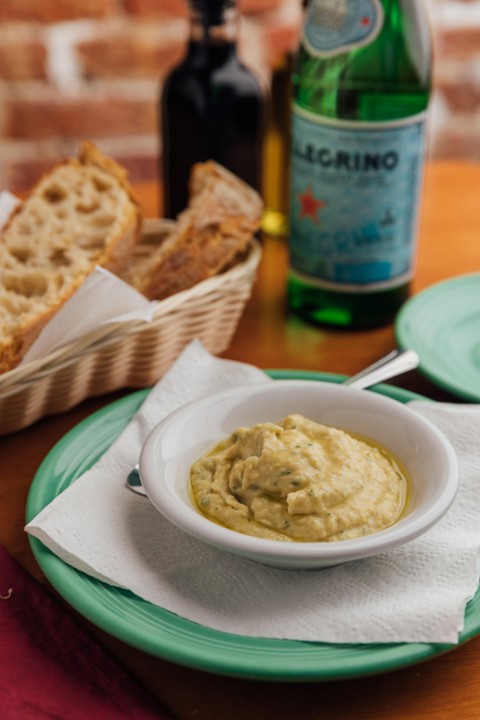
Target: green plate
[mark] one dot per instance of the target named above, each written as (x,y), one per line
(442,324)
(166,635)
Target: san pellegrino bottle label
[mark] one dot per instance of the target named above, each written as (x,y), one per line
(335,26)
(354,202)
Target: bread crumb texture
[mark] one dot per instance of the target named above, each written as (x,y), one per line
(78,216)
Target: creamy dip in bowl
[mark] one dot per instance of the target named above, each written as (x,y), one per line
(299,473)
(297,480)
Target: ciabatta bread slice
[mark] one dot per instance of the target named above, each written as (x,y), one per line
(216,228)
(81,214)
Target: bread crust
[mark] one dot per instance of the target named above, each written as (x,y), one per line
(44,258)
(216,228)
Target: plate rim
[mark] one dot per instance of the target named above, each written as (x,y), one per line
(232,655)
(403,337)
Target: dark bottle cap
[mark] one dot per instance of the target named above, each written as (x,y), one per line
(212,10)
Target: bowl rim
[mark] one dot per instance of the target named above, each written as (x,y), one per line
(192,521)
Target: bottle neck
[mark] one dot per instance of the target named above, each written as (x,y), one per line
(213,23)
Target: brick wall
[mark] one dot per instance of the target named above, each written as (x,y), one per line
(455,116)
(73,69)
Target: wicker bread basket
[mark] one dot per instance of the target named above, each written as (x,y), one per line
(134,354)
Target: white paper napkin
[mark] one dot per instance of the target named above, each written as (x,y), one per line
(100,303)
(415,593)
(8,203)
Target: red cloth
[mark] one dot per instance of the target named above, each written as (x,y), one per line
(50,667)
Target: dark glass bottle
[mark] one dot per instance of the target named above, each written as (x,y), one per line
(212,106)
(362,84)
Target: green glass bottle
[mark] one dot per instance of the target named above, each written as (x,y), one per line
(361,87)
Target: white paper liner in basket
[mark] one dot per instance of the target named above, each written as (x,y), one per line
(132,354)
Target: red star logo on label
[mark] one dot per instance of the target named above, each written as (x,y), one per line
(309,205)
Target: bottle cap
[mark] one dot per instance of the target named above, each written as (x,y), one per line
(212,10)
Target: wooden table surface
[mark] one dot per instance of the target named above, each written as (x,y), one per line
(444,688)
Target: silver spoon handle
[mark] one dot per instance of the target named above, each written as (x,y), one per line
(395,363)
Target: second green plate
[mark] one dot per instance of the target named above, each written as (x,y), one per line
(442,324)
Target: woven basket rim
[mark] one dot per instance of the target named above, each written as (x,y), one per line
(25,374)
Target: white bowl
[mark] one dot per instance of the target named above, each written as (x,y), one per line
(182,437)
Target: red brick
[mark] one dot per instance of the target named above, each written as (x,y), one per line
(179,8)
(140,166)
(49,11)
(254,7)
(20,175)
(455,141)
(22,56)
(461,42)
(22,168)
(157,8)
(109,116)
(461,97)
(129,54)
(279,40)
(277,32)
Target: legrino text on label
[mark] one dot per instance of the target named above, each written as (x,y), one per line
(341,159)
